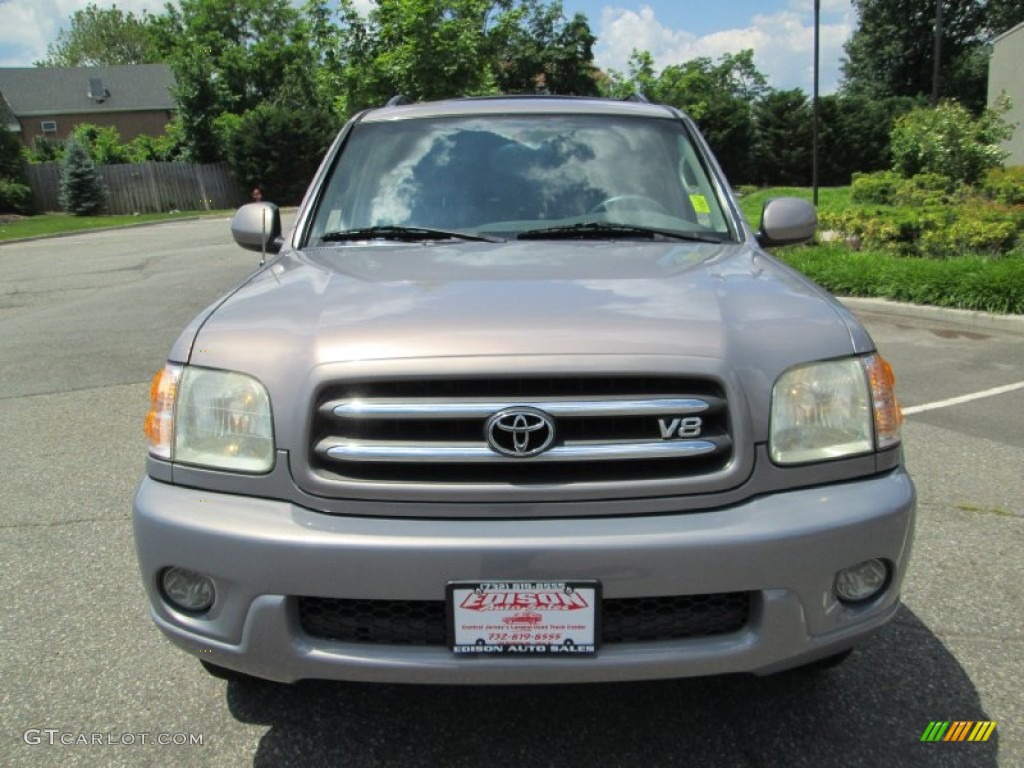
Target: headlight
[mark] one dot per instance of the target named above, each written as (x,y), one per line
(211,418)
(833,409)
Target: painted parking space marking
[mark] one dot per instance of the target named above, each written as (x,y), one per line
(962,399)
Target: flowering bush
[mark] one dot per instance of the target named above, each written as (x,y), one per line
(950,142)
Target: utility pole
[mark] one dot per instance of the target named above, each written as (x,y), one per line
(814,128)
(938,53)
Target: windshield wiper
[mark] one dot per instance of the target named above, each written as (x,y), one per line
(597,230)
(408,234)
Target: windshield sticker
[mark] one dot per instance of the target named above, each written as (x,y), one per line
(700,204)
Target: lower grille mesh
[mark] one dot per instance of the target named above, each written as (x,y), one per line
(623,620)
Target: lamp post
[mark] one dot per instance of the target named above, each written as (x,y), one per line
(814,127)
(938,53)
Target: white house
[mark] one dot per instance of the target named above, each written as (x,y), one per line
(1004,76)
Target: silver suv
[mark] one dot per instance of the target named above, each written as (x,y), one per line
(520,398)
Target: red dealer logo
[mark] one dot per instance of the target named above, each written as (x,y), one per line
(524,619)
(540,601)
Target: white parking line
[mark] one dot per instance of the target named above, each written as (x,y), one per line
(962,399)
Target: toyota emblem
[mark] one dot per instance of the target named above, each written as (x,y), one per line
(520,432)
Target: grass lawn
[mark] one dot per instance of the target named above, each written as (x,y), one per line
(56,223)
(830,199)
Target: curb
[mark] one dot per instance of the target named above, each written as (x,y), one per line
(1007,323)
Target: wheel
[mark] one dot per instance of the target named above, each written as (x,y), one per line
(650,203)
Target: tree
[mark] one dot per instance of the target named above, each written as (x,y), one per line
(855,132)
(429,49)
(228,57)
(544,51)
(102,37)
(783,120)
(891,52)
(278,149)
(81,190)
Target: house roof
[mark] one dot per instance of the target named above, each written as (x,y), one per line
(1011,31)
(39,91)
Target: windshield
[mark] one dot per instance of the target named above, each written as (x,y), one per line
(502,175)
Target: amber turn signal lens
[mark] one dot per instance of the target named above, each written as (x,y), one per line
(159,426)
(888,415)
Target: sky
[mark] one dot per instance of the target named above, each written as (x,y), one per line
(781,32)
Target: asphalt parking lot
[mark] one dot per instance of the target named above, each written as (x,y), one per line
(86,320)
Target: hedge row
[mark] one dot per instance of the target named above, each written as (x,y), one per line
(970,282)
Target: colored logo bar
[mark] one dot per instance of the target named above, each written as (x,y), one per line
(958,730)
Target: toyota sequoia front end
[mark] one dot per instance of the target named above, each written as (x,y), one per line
(521,398)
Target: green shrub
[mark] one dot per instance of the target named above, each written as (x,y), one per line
(44,150)
(1004,185)
(950,142)
(877,188)
(15,193)
(927,189)
(978,229)
(15,197)
(102,143)
(890,229)
(889,188)
(164,148)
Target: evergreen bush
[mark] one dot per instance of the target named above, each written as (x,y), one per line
(81,189)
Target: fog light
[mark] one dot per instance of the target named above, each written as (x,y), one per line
(862,581)
(187,590)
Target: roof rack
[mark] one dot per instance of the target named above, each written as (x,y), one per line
(637,97)
(398,100)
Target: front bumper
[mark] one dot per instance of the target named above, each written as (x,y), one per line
(784,547)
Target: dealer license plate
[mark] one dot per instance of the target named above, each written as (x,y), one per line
(557,618)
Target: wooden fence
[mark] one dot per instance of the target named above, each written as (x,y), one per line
(147,187)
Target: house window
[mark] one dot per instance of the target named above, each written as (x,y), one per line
(49,126)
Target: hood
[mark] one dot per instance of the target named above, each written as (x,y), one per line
(387,302)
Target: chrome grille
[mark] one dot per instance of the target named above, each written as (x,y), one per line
(606,428)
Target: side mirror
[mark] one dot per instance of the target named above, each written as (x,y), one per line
(257,227)
(787,220)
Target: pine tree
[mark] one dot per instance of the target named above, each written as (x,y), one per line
(81,188)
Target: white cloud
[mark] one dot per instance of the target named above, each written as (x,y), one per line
(30,25)
(783,42)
